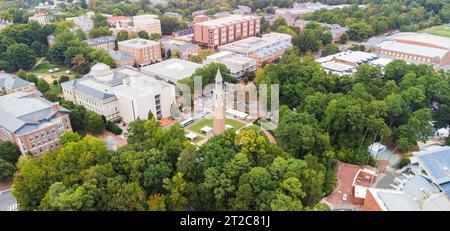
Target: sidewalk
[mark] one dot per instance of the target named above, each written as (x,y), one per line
(5,185)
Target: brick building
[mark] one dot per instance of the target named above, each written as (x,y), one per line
(31,122)
(144,52)
(10,83)
(221,31)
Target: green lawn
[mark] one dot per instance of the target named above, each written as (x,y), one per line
(442,30)
(57,89)
(44,68)
(196,127)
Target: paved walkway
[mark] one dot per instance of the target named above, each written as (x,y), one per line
(270,136)
(38,62)
(7,184)
(7,201)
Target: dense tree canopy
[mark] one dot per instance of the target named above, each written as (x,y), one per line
(21,43)
(160,170)
(69,50)
(350,112)
(378,17)
(9,154)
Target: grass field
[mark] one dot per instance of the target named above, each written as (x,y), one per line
(44,68)
(197,127)
(442,30)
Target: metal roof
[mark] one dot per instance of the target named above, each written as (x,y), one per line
(425,38)
(436,163)
(256,45)
(119,55)
(413,49)
(21,113)
(10,81)
(446,188)
(100,40)
(418,188)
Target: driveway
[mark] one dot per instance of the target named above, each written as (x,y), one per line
(7,201)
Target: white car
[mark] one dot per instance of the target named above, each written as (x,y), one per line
(344,196)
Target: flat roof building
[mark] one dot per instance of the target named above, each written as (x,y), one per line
(172,70)
(144,52)
(238,64)
(122,93)
(264,49)
(147,22)
(33,123)
(346,62)
(418,48)
(217,32)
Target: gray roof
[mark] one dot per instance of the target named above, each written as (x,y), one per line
(418,188)
(173,14)
(435,40)
(100,40)
(77,84)
(119,55)
(436,162)
(177,45)
(334,28)
(20,113)
(172,69)
(397,201)
(10,81)
(413,49)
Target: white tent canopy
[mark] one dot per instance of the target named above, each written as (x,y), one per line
(238,114)
(206,129)
(191,136)
(376,148)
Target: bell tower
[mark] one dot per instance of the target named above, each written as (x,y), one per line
(219,105)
